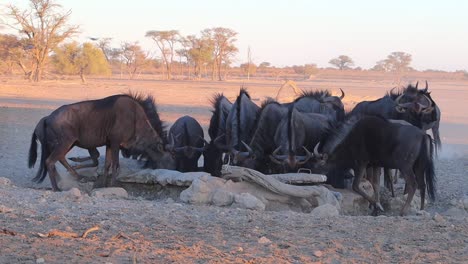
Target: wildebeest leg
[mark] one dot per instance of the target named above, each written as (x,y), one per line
(419,171)
(376,186)
(94,156)
(411,186)
(359,173)
(70,169)
(58,153)
(388,180)
(102,180)
(114,149)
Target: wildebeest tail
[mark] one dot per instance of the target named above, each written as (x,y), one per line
(32,157)
(42,172)
(427,152)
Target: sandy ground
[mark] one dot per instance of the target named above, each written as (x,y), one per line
(169,232)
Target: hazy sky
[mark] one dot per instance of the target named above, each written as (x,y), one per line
(294,32)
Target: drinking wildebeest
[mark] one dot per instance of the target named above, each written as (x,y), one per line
(240,123)
(186,143)
(115,121)
(321,102)
(213,152)
(261,145)
(374,140)
(296,133)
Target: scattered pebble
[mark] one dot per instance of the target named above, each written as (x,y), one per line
(318,253)
(264,240)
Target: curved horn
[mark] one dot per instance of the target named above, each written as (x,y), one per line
(278,159)
(306,158)
(416,85)
(397,100)
(219,145)
(316,153)
(342,94)
(247,147)
(427,87)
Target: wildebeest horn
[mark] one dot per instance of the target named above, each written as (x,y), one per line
(342,94)
(219,145)
(306,158)
(247,147)
(316,153)
(170,145)
(278,159)
(397,100)
(416,85)
(427,87)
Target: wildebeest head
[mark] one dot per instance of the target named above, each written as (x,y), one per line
(241,122)
(413,100)
(291,140)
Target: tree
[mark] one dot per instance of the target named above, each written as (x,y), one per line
(397,62)
(134,58)
(73,58)
(307,70)
(166,41)
(11,50)
(249,68)
(264,64)
(200,53)
(223,48)
(44,24)
(342,62)
(104,45)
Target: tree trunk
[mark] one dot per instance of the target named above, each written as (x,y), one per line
(83,79)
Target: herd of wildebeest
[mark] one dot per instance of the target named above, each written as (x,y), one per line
(313,132)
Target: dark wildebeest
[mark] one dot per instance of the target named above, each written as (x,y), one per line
(186,143)
(296,133)
(240,124)
(261,145)
(115,121)
(374,140)
(213,152)
(320,102)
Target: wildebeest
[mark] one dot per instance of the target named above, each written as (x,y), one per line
(115,121)
(240,123)
(296,133)
(38,135)
(262,144)
(374,140)
(186,143)
(213,152)
(410,104)
(320,102)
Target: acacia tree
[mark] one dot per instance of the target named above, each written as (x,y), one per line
(134,58)
(200,53)
(44,24)
(74,58)
(11,52)
(342,62)
(397,62)
(166,41)
(223,48)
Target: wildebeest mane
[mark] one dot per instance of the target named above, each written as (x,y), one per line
(149,106)
(394,93)
(214,125)
(316,94)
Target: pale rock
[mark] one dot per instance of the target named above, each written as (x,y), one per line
(5,181)
(222,198)
(200,192)
(40,260)
(73,194)
(263,240)
(438,218)
(465,202)
(318,253)
(248,201)
(329,197)
(326,210)
(112,192)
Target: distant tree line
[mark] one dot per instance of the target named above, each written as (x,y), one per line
(44,34)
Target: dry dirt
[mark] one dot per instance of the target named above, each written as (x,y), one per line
(140,231)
